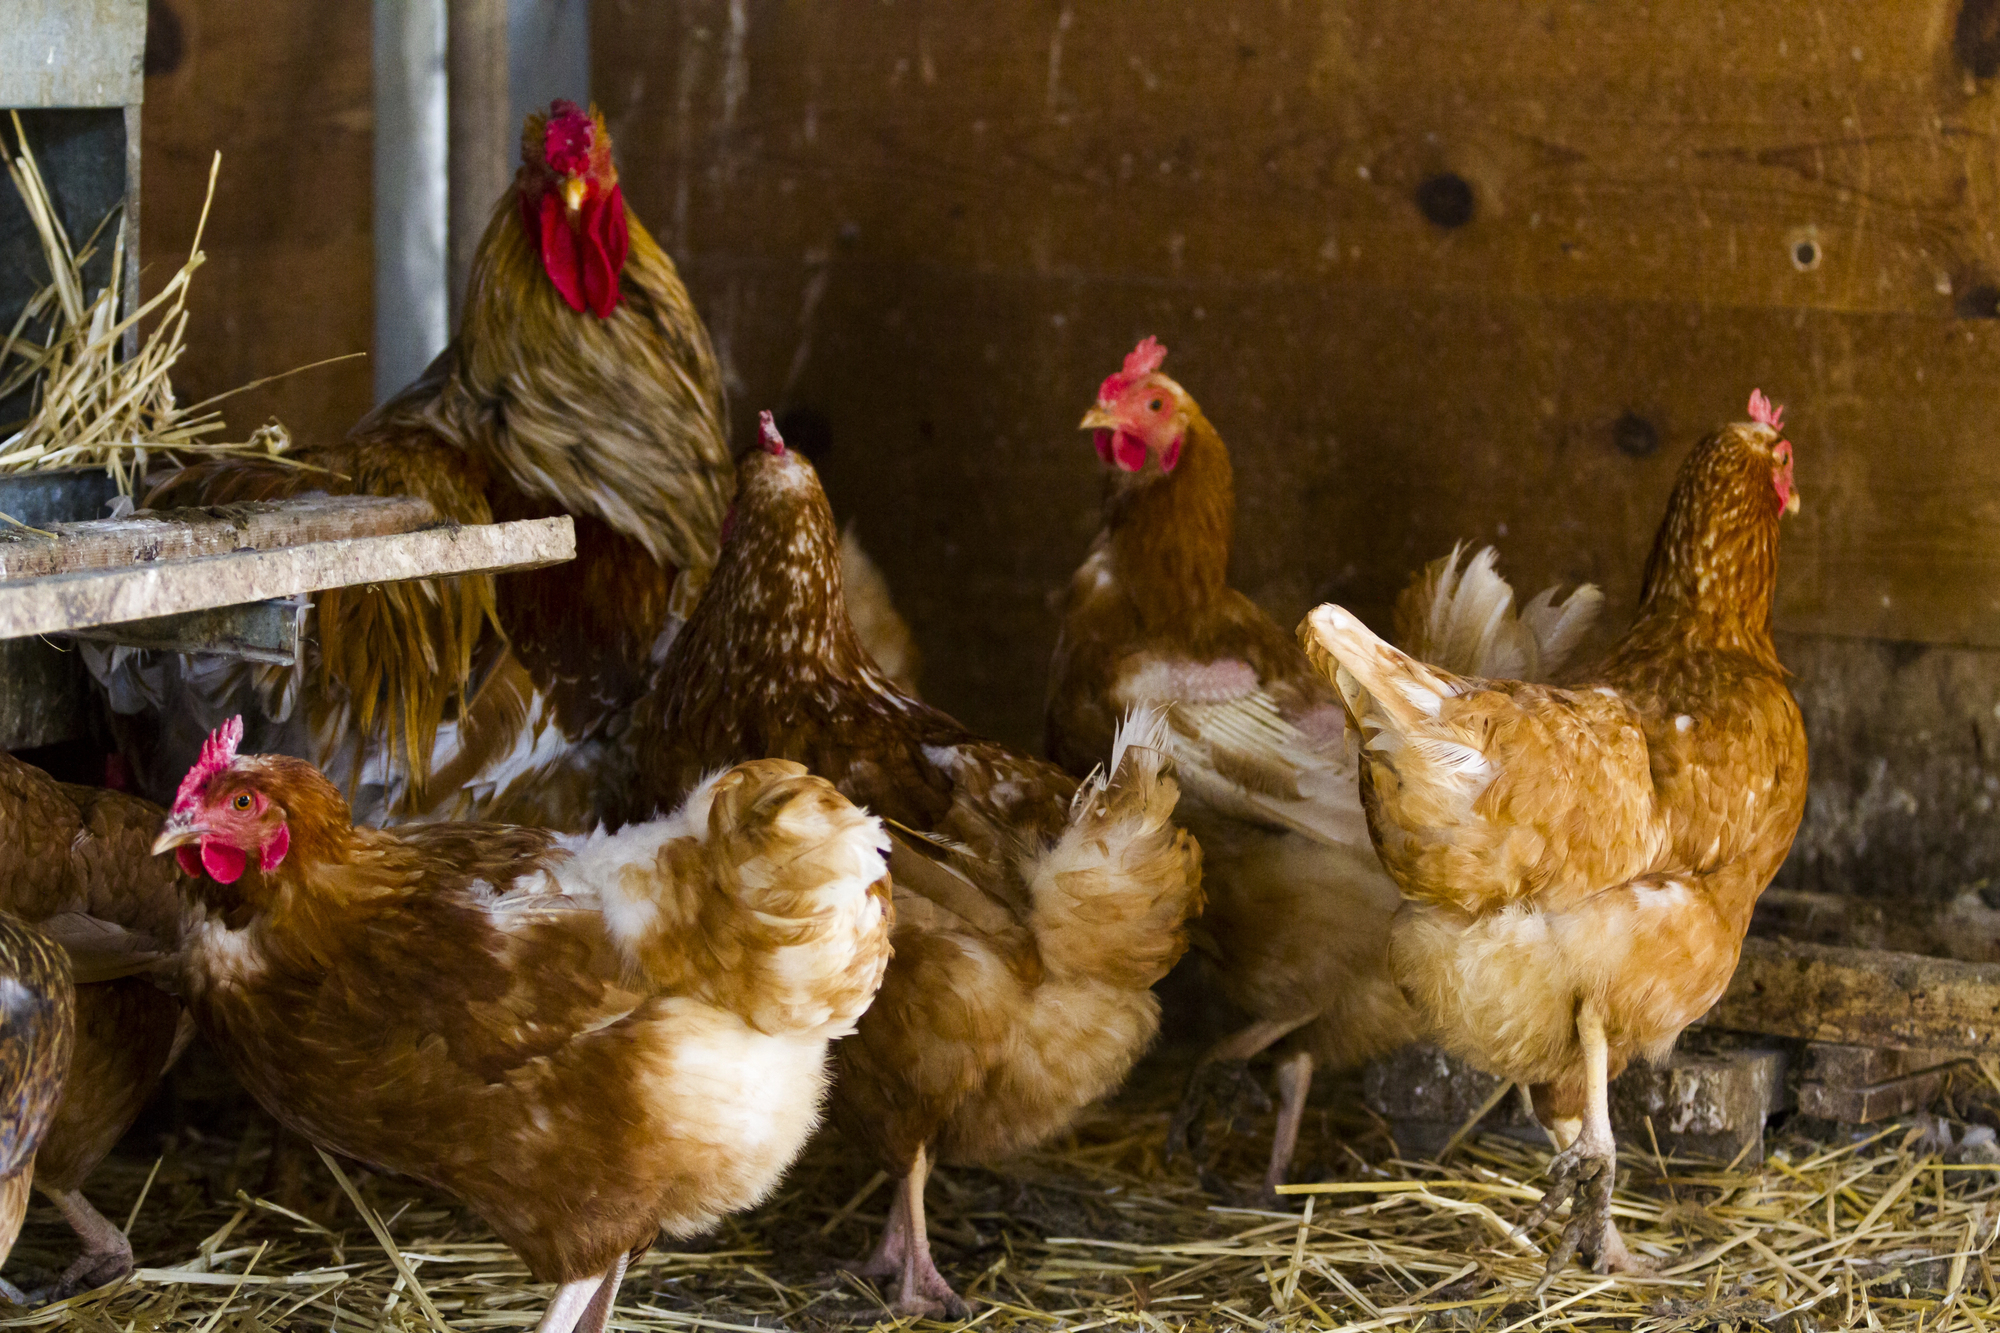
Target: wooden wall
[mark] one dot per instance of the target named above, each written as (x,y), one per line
(1437,271)
(283,89)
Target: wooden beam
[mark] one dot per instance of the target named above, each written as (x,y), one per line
(477,112)
(185,534)
(100,597)
(1862,997)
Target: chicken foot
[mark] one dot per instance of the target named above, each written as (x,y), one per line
(584,1305)
(1585,1171)
(1222,1079)
(107,1253)
(904,1253)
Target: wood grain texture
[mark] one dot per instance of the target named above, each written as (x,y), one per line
(282,89)
(1862,997)
(938,228)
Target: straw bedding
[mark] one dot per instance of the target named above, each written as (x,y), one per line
(1094,1232)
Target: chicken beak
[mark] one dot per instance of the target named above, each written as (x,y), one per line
(573,190)
(1792,502)
(177,832)
(1099,418)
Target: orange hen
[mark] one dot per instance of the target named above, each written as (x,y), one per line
(1299,905)
(1579,865)
(588,1039)
(1033,913)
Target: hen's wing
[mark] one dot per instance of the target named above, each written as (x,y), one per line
(1485,793)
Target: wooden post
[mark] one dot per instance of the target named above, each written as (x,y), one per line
(479,134)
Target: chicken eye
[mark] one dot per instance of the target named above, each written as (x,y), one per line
(242,801)
(1153,406)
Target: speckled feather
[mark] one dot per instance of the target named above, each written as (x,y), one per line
(1031,922)
(37,1023)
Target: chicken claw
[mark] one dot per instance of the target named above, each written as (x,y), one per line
(1584,1178)
(1226,1084)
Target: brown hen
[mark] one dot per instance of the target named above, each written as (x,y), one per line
(76,861)
(1298,903)
(37,1018)
(1579,865)
(1033,914)
(588,1039)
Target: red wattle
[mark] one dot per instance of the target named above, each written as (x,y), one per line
(559,252)
(1128,451)
(223,862)
(190,860)
(583,262)
(274,849)
(1102,439)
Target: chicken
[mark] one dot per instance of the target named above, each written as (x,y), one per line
(581,382)
(1033,913)
(588,1039)
(1299,905)
(37,1028)
(74,863)
(1579,865)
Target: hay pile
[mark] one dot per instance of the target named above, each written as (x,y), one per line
(92,406)
(1097,1233)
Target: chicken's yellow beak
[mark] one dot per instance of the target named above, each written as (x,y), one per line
(1099,418)
(177,831)
(1792,501)
(573,191)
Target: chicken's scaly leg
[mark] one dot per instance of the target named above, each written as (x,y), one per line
(1222,1076)
(1585,1171)
(1295,1074)
(571,1302)
(923,1290)
(107,1253)
(887,1260)
(598,1312)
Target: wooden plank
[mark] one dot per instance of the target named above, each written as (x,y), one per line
(182,534)
(72,53)
(290,272)
(255,631)
(1862,997)
(77,601)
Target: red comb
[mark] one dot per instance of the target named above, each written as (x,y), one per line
(1766,413)
(1140,362)
(767,434)
(217,753)
(567,140)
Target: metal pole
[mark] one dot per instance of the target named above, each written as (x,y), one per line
(479,134)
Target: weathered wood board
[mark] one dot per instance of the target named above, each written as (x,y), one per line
(149,535)
(282,88)
(1438,271)
(60,602)
(1862,997)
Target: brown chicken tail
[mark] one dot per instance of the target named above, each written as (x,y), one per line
(770,899)
(1113,896)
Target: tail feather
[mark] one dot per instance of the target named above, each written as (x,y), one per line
(1113,896)
(765,894)
(1463,620)
(1388,694)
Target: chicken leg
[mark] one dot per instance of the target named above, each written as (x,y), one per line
(1586,1169)
(1222,1078)
(107,1253)
(905,1253)
(584,1305)
(1295,1074)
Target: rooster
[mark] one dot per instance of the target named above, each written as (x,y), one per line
(588,1039)
(581,382)
(74,863)
(37,1022)
(1579,865)
(1299,905)
(1034,913)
